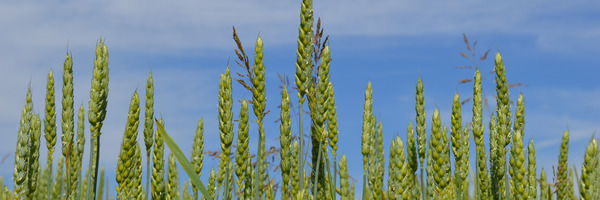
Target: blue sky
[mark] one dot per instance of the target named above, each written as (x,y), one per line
(550,46)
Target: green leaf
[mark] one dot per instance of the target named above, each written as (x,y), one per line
(185,164)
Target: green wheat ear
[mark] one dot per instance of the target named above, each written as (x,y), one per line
(344,187)
(97,110)
(34,154)
(125,164)
(22,151)
(285,141)
(149,127)
(563,167)
(225,123)
(77,150)
(173,178)
(158,170)
(198,153)
(543,185)
(242,154)
(58,183)
(367,134)
(589,172)
(531,171)
(483,175)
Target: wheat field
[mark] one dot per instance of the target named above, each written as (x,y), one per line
(432,161)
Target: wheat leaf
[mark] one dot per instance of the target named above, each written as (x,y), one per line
(185,164)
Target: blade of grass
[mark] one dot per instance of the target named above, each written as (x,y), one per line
(185,164)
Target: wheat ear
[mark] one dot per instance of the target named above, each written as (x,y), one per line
(22,151)
(285,141)
(563,167)
(158,167)
(97,110)
(225,124)
(242,152)
(198,153)
(589,170)
(149,126)
(126,155)
(173,179)
(531,171)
